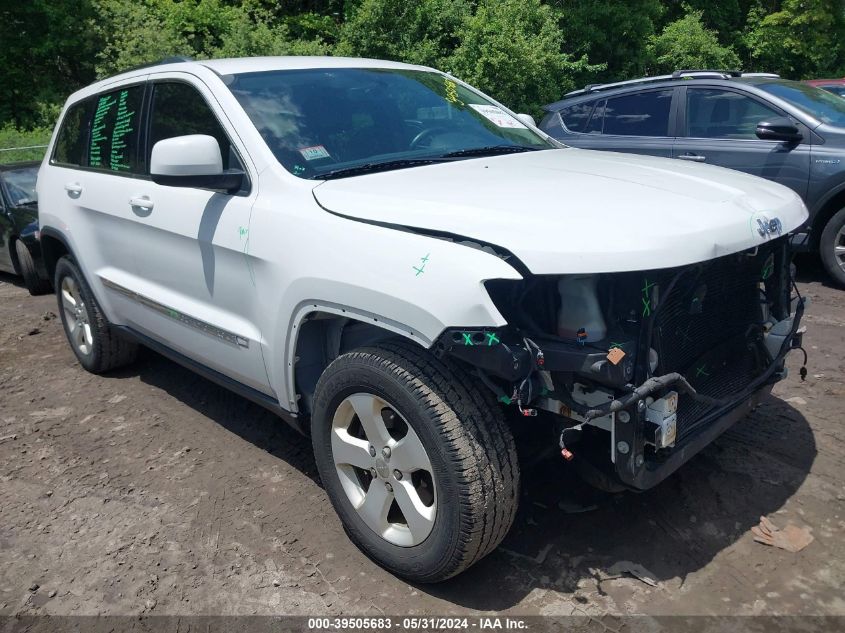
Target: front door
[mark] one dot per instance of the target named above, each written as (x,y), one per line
(193,287)
(719,129)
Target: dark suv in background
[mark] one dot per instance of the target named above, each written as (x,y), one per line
(785,131)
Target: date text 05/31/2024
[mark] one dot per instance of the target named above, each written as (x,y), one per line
(415,623)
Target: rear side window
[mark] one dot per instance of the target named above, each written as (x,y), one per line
(639,114)
(576,117)
(179,110)
(72,141)
(715,113)
(115,132)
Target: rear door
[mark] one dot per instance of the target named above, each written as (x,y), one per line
(192,286)
(635,122)
(718,127)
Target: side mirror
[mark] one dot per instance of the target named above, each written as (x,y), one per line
(192,161)
(527,119)
(778,129)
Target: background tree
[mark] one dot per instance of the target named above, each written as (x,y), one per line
(525,53)
(802,39)
(511,49)
(687,44)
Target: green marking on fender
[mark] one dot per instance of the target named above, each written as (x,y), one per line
(467,338)
(701,371)
(504,399)
(492,339)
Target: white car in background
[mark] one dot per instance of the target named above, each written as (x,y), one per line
(412,274)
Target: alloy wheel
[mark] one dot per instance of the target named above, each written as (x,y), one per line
(839,248)
(77,320)
(384,469)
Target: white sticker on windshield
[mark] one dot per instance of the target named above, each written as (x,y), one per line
(497,116)
(315,152)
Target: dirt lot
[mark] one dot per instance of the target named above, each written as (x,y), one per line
(154,491)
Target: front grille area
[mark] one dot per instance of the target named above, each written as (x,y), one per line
(708,329)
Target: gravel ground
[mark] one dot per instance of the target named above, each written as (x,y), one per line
(152,491)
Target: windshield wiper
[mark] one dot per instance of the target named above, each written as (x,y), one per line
(490,150)
(375,167)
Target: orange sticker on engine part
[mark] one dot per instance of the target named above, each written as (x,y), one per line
(615,354)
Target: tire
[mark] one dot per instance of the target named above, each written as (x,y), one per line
(473,464)
(97,345)
(833,237)
(33,281)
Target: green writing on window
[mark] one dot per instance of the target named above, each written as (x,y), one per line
(98,136)
(122,127)
(113,138)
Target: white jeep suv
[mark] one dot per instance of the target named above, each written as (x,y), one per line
(412,274)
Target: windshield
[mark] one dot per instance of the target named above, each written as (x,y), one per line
(20,185)
(820,104)
(336,122)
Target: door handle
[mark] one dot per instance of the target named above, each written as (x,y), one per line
(696,158)
(142,202)
(73,188)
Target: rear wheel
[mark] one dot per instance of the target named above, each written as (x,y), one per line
(832,247)
(97,345)
(418,463)
(34,282)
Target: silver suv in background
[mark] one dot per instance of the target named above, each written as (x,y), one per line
(785,131)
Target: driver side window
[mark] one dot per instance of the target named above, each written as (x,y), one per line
(179,110)
(726,114)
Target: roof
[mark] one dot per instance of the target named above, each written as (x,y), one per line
(237,65)
(679,77)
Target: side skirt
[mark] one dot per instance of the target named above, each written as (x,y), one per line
(253,395)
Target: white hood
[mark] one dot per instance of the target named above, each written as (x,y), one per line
(576,211)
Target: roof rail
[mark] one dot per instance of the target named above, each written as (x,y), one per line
(175,59)
(707,73)
(678,74)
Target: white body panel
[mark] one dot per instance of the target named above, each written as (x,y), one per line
(577,211)
(255,266)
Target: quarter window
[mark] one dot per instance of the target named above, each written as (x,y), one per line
(115,132)
(639,114)
(72,141)
(179,110)
(576,117)
(724,114)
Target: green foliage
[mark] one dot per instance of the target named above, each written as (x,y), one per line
(612,32)
(803,39)
(525,53)
(686,43)
(422,32)
(511,49)
(11,137)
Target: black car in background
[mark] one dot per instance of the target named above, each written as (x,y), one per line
(20,250)
(785,131)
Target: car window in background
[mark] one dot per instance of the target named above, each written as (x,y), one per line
(180,110)
(576,117)
(837,89)
(321,120)
(818,103)
(72,142)
(115,132)
(713,113)
(639,114)
(20,185)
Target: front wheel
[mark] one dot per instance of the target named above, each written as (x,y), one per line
(417,461)
(832,247)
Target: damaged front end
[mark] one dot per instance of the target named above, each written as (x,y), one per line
(637,371)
